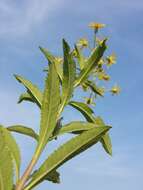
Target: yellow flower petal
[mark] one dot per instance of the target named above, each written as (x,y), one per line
(115,90)
(111,59)
(103,76)
(83,42)
(96,26)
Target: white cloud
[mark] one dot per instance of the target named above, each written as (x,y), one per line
(19,19)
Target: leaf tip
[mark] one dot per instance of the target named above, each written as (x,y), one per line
(17,77)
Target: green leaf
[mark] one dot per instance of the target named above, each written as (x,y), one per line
(105,140)
(80,57)
(93,87)
(13,148)
(53,176)
(6,165)
(26,97)
(91,63)
(50,106)
(51,59)
(106,143)
(32,89)
(84,109)
(88,114)
(66,152)
(59,70)
(75,127)
(68,76)
(48,55)
(23,130)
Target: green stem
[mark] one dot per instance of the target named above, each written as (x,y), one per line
(24,178)
(95,32)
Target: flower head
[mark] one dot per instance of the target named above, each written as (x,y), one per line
(103,76)
(83,42)
(111,59)
(100,62)
(101,90)
(99,41)
(96,26)
(115,90)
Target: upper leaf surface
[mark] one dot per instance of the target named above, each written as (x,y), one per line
(51,59)
(75,127)
(23,130)
(6,166)
(88,114)
(84,109)
(32,89)
(50,106)
(68,75)
(80,57)
(105,140)
(67,151)
(13,148)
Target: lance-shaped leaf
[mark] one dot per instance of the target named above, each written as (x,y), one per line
(32,89)
(67,151)
(12,146)
(68,76)
(51,59)
(105,140)
(24,130)
(93,87)
(50,106)
(53,176)
(80,57)
(91,63)
(75,127)
(6,166)
(87,112)
(28,97)
(59,70)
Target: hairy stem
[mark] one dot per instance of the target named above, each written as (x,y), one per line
(24,178)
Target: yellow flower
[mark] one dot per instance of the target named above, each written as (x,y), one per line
(115,90)
(83,42)
(99,41)
(96,26)
(103,76)
(111,59)
(102,90)
(101,62)
(106,77)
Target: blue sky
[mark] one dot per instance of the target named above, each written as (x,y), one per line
(24,25)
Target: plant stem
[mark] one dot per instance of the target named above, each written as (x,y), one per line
(95,32)
(24,178)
